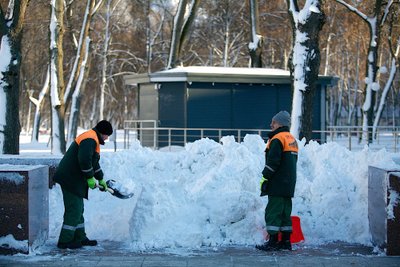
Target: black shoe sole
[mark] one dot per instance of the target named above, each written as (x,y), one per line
(89,243)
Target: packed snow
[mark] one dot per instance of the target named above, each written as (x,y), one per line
(206,194)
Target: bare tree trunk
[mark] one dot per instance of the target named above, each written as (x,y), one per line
(77,64)
(176,34)
(340,91)
(333,109)
(39,105)
(353,106)
(181,30)
(151,38)
(11,25)
(388,85)
(304,64)
(76,97)
(93,110)
(226,43)
(187,25)
(149,52)
(78,73)
(255,46)
(76,69)
(104,56)
(56,77)
(327,54)
(394,123)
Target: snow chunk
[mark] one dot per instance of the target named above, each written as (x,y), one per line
(314,9)
(5,55)
(383,69)
(253,45)
(300,85)
(375,86)
(394,199)
(371,57)
(13,177)
(207,194)
(9,241)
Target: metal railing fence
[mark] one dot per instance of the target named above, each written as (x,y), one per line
(349,136)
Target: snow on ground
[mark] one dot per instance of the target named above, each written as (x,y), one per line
(207,194)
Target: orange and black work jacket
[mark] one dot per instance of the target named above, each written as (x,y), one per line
(280,163)
(80,162)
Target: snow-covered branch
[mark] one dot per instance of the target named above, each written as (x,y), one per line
(388,85)
(38,104)
(10,10)
(79,56)
(386,12)
(96,7)
(353,9)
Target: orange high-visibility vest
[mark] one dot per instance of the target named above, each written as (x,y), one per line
(287,140)
(89,134)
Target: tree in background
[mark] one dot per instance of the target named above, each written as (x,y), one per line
(221,36)
(256,44)
(394,48)
(141,34)
(39,102)
(375,23)
(115,30)
(181,29)
(57,88)
(304,63)
(34,68)
(107,40)
(78,75)
(179,20)
(11,25)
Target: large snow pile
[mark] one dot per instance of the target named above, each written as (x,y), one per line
(207,194)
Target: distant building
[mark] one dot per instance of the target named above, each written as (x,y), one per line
(218,97)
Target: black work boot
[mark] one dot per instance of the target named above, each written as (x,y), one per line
(88,242)
(270,245)
(285,243)
(70,245)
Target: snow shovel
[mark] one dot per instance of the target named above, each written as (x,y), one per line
(115,189)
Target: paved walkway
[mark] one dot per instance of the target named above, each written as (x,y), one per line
(115,254)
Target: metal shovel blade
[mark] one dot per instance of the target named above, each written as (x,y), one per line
(113,188)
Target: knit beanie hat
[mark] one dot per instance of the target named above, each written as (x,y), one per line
(104,127)
(282,117)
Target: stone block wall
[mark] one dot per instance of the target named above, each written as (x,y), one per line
(384,208)
(24,207)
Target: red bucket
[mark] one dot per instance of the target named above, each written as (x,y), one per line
(297,234)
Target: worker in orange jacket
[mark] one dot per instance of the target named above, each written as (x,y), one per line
(78,171)
(278,182)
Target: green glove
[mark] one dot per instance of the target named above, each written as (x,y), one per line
(103,184)
(91,183)
(263,186)
(262,181)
